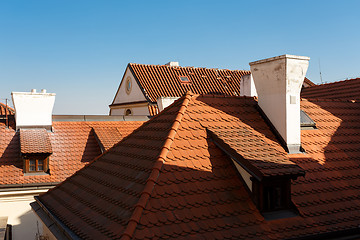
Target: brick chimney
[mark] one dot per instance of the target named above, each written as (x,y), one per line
(32,109)
(278,82)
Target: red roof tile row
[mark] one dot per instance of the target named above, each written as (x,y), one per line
(169,180)
(6,110)
(73,145)
(347,89)
(164,81)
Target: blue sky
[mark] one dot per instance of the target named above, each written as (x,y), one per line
(80,49)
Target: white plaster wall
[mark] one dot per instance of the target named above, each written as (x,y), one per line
(16,206)
(136,111)
(247,86)
(33,109)
(135,94)
(245,175)
(164,102)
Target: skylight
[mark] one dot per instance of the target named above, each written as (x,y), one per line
(305,121)
(184,79)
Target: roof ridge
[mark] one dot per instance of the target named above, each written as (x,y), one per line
(155,172)
(191,67)
(319,99)
(330,83)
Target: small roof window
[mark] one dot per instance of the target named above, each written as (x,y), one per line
(305,121)
(184,79)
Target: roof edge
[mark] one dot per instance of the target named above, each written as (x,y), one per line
(150,183)
(60,230)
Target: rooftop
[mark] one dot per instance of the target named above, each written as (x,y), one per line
(171,179)
(347,89)
(165,81)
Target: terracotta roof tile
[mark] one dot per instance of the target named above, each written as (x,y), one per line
(153,109)
(73,145)
(107,136)
(164,81)
(169,180)
(35,141)
(6,110)
(347,89)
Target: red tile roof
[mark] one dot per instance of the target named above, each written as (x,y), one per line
(107,136)
(153,109)
(164,81)
(73,146)
(6,110)
(169,180)
(347,89)
(35,141)
(308,83)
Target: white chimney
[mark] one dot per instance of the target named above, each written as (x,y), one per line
(278,82)
(247,86)
(172,64)
(32,109)
(164,102)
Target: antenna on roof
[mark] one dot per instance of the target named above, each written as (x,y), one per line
(6,114)
(320,72)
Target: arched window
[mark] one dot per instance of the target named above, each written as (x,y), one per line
(128,112)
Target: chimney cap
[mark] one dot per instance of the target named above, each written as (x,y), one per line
(172,64)
(280,57)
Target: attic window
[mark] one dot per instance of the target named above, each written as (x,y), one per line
(306,122)
(184,79)
(36,163)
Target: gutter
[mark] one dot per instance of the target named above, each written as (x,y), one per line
(57,228)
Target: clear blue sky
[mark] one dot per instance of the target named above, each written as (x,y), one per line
(79,49)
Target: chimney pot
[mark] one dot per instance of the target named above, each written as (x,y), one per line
(172,64)
(33,90)
(43,90)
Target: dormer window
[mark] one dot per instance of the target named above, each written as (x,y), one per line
(266,172)
(36,163)
(184,79)
(35,150)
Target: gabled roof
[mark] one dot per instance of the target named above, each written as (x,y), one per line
(164,81)
(72,144)
(169,179)
(347,89)
(6,110)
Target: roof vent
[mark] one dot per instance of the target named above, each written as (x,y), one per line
(172,64)
(278,82)
(32,109)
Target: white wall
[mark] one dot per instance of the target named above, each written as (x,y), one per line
(136,110)
(135,94)
(33,109)
(164,102)
(16,206)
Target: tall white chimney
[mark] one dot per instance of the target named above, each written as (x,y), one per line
(278,82)
(32,109)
